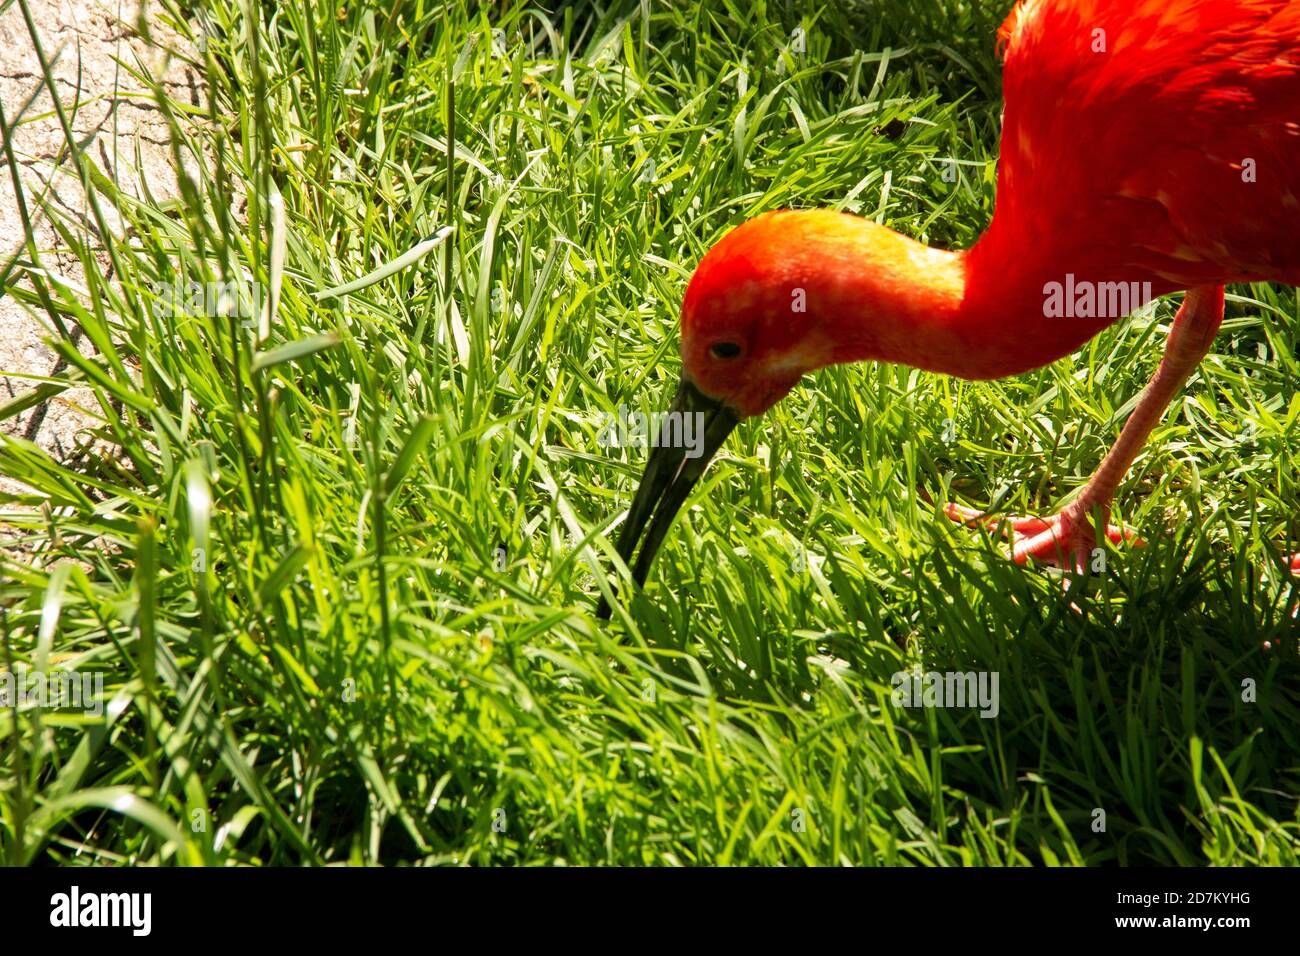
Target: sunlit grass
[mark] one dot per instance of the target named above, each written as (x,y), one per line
(341,582)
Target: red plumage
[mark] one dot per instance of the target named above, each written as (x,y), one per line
(1155,139)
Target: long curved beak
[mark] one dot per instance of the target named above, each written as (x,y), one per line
(691,433)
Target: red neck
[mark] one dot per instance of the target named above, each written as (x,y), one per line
(987,312)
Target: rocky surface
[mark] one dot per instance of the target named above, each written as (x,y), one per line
(94,46)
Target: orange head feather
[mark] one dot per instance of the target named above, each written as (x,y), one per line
(790,292)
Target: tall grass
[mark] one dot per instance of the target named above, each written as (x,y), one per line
(339,574)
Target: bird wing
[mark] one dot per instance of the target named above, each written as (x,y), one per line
(1156,136)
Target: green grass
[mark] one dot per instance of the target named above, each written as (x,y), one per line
(289,576)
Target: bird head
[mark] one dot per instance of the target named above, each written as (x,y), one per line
(777,297)
(747,333)
(747,338)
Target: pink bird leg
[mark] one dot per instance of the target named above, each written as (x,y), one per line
(1067,539)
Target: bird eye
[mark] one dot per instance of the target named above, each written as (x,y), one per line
(724,350)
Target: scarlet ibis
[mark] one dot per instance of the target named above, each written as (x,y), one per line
(1147,145)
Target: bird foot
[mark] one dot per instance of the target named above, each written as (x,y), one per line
(1065,540)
